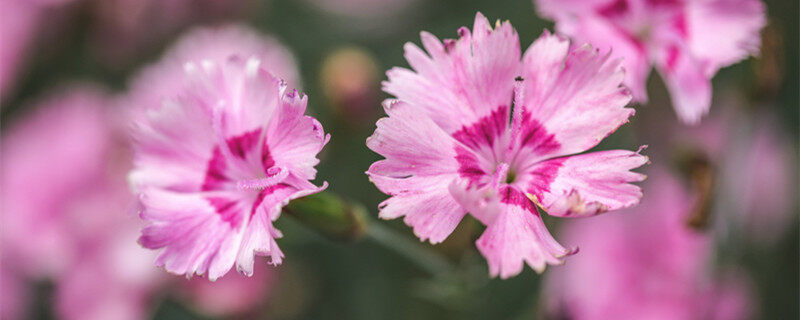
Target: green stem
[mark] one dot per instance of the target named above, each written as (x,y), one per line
(414,251)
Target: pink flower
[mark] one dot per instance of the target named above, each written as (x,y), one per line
(164,78)
(686,40)
(454,143)
(72,229)
(644,264)
(217,162)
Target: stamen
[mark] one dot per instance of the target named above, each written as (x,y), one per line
(274,176)
(516,116)
(500,174)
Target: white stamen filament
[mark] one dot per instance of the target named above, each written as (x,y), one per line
(274,176)
(500,174)
(516,117)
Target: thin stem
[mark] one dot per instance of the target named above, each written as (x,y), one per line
(431,262)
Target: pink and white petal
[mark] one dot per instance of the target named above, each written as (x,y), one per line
(293,139)
(259,236)
(430,210)
(191,230)
(412,144)
(585,102)
(561,10)
(259,239)
(173,147)
(462,80)
(239,89)
(586,184)
(606,37)
(689,86)
(220,43)
(739,20)
(518,236)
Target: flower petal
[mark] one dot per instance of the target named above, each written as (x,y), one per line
(587,184)
(462,80)
(431,211)
(739,20)
(583,101)
(689,88)
(517,236)
(294,139)
(194,235)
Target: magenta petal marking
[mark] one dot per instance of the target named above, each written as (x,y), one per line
(510,195)
(468,165)
(266,158)
(215,173)
(485,131)
(242,144)
(542,176)
(534,136)
(267,191)
(227,210)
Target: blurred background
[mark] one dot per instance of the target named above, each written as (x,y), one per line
(721,196)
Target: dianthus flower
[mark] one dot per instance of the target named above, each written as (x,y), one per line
(217,162)
(466,134)
(688,41)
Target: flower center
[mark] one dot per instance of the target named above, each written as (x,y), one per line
(503,175)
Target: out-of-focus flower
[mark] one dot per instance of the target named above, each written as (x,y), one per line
(349,79)
(163,79)
(754,169)
(681,38)
(50,159)
(231,295)
(762,179)
(64,209)
(217,162)
(456,142)
(646,263)
(124,29)
(113,277)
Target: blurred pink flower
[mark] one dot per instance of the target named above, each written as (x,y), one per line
(64,208)
(454,144)
(756,170)
(763,179)
(49,159)
(231,295)
(645,263)
(682,38)
(113,277)
(161,80)
(217,162)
